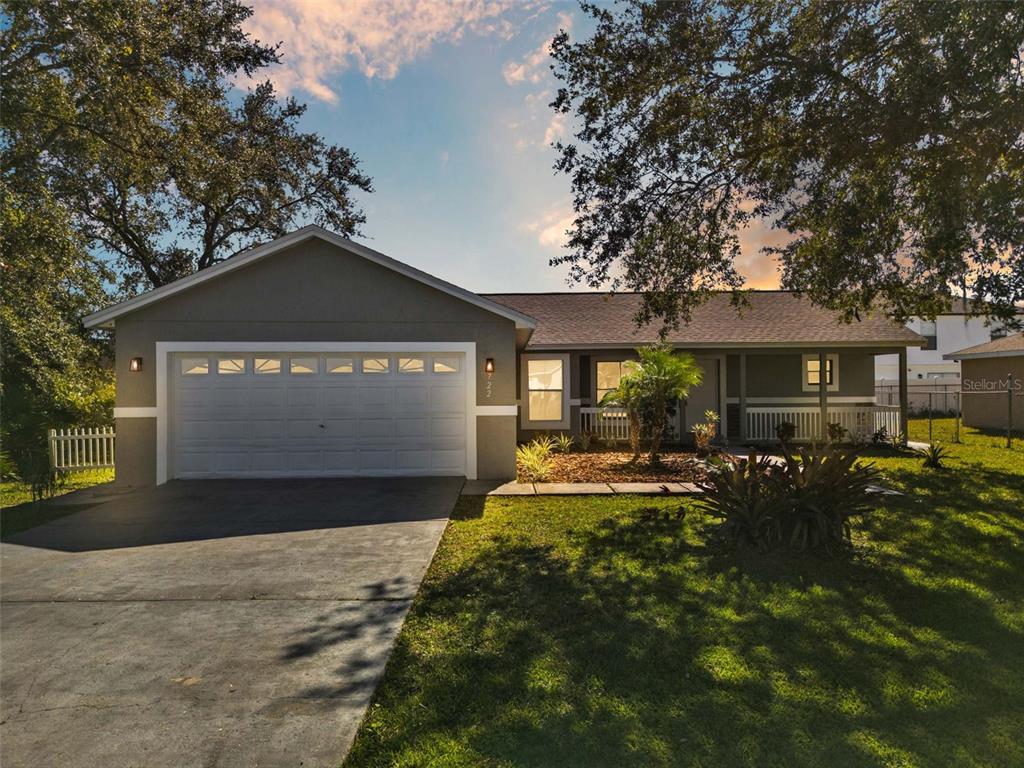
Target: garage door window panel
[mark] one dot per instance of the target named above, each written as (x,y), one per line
(376,365)
(412,365)
(340,365)
(263,366)
(195,366)
(230,366)
(446,364)
(303,366)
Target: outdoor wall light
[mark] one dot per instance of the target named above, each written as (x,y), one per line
(135,365)
(489,365)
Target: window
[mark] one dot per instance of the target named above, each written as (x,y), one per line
(412,365)
(340,365)
(608,376)
(446,365)
(266,365)
(303,365)
(929,333)
(376,365)
(230,365)
(194,366)
(544,389)
(812,373)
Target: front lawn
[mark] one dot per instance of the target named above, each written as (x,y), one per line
(20,513)
(606,631)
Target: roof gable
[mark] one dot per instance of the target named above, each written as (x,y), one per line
(105,318)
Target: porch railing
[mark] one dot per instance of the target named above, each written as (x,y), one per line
(607,423)
(72,449)
(861,421)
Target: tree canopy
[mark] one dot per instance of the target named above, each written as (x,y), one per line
(886,138)
(124,109)
(129,158)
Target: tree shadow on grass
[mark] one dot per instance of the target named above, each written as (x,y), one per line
(634,642)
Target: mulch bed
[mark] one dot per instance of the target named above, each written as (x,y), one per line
(615,467)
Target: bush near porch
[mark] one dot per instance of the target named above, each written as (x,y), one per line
(608,631)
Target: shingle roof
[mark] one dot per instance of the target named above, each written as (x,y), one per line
(770,317)
(1008,346)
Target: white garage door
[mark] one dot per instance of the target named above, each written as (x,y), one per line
(318,414)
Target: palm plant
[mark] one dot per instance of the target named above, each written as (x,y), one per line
(647,391)
(933,455)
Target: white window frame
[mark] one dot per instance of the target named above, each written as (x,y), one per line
(524,378)
(833,359)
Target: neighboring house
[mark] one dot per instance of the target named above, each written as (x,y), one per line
(992,385)
(947,333)
(315,356)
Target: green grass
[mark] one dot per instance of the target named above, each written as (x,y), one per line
(606,631)
(21,513)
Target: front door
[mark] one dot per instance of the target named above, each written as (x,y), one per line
(702,398)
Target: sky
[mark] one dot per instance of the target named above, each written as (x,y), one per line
(446,103)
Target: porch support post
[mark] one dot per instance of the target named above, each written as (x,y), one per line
(904,398)
(743,397)
(823,392)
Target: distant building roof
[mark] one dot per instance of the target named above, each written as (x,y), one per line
(1008,346)
(770,318)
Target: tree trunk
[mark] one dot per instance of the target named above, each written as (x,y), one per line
(634,434)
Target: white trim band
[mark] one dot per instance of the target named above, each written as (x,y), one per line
(497,410)
(135,412)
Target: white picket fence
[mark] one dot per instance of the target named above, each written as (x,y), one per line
(605,422)
(72,449)
(861,421)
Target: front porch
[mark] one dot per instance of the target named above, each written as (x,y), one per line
(752,407)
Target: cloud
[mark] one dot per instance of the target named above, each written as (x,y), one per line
(555,129)
(533,68)
(376,37)
(551,227)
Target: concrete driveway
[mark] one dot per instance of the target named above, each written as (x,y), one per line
(209,623)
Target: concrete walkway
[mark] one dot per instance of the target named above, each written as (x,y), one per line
(498,488)
(212,623)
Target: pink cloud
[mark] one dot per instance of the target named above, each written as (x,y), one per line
(377,37)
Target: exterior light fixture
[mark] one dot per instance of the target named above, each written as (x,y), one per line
(135,365)
(489,365)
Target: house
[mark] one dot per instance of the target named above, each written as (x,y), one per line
(992,383)
(948,332)
(316,356)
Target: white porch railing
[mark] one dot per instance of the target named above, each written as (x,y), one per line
(607,423)
(861,421)
(72,449)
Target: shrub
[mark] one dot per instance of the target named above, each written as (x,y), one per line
(933,455)
(836,432)
(738,492)
(533,460)
(785,431)
(819,492)
(587,438)
(804,502)
(705,432)
(564,443)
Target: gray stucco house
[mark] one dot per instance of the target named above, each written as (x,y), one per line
(316,356)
